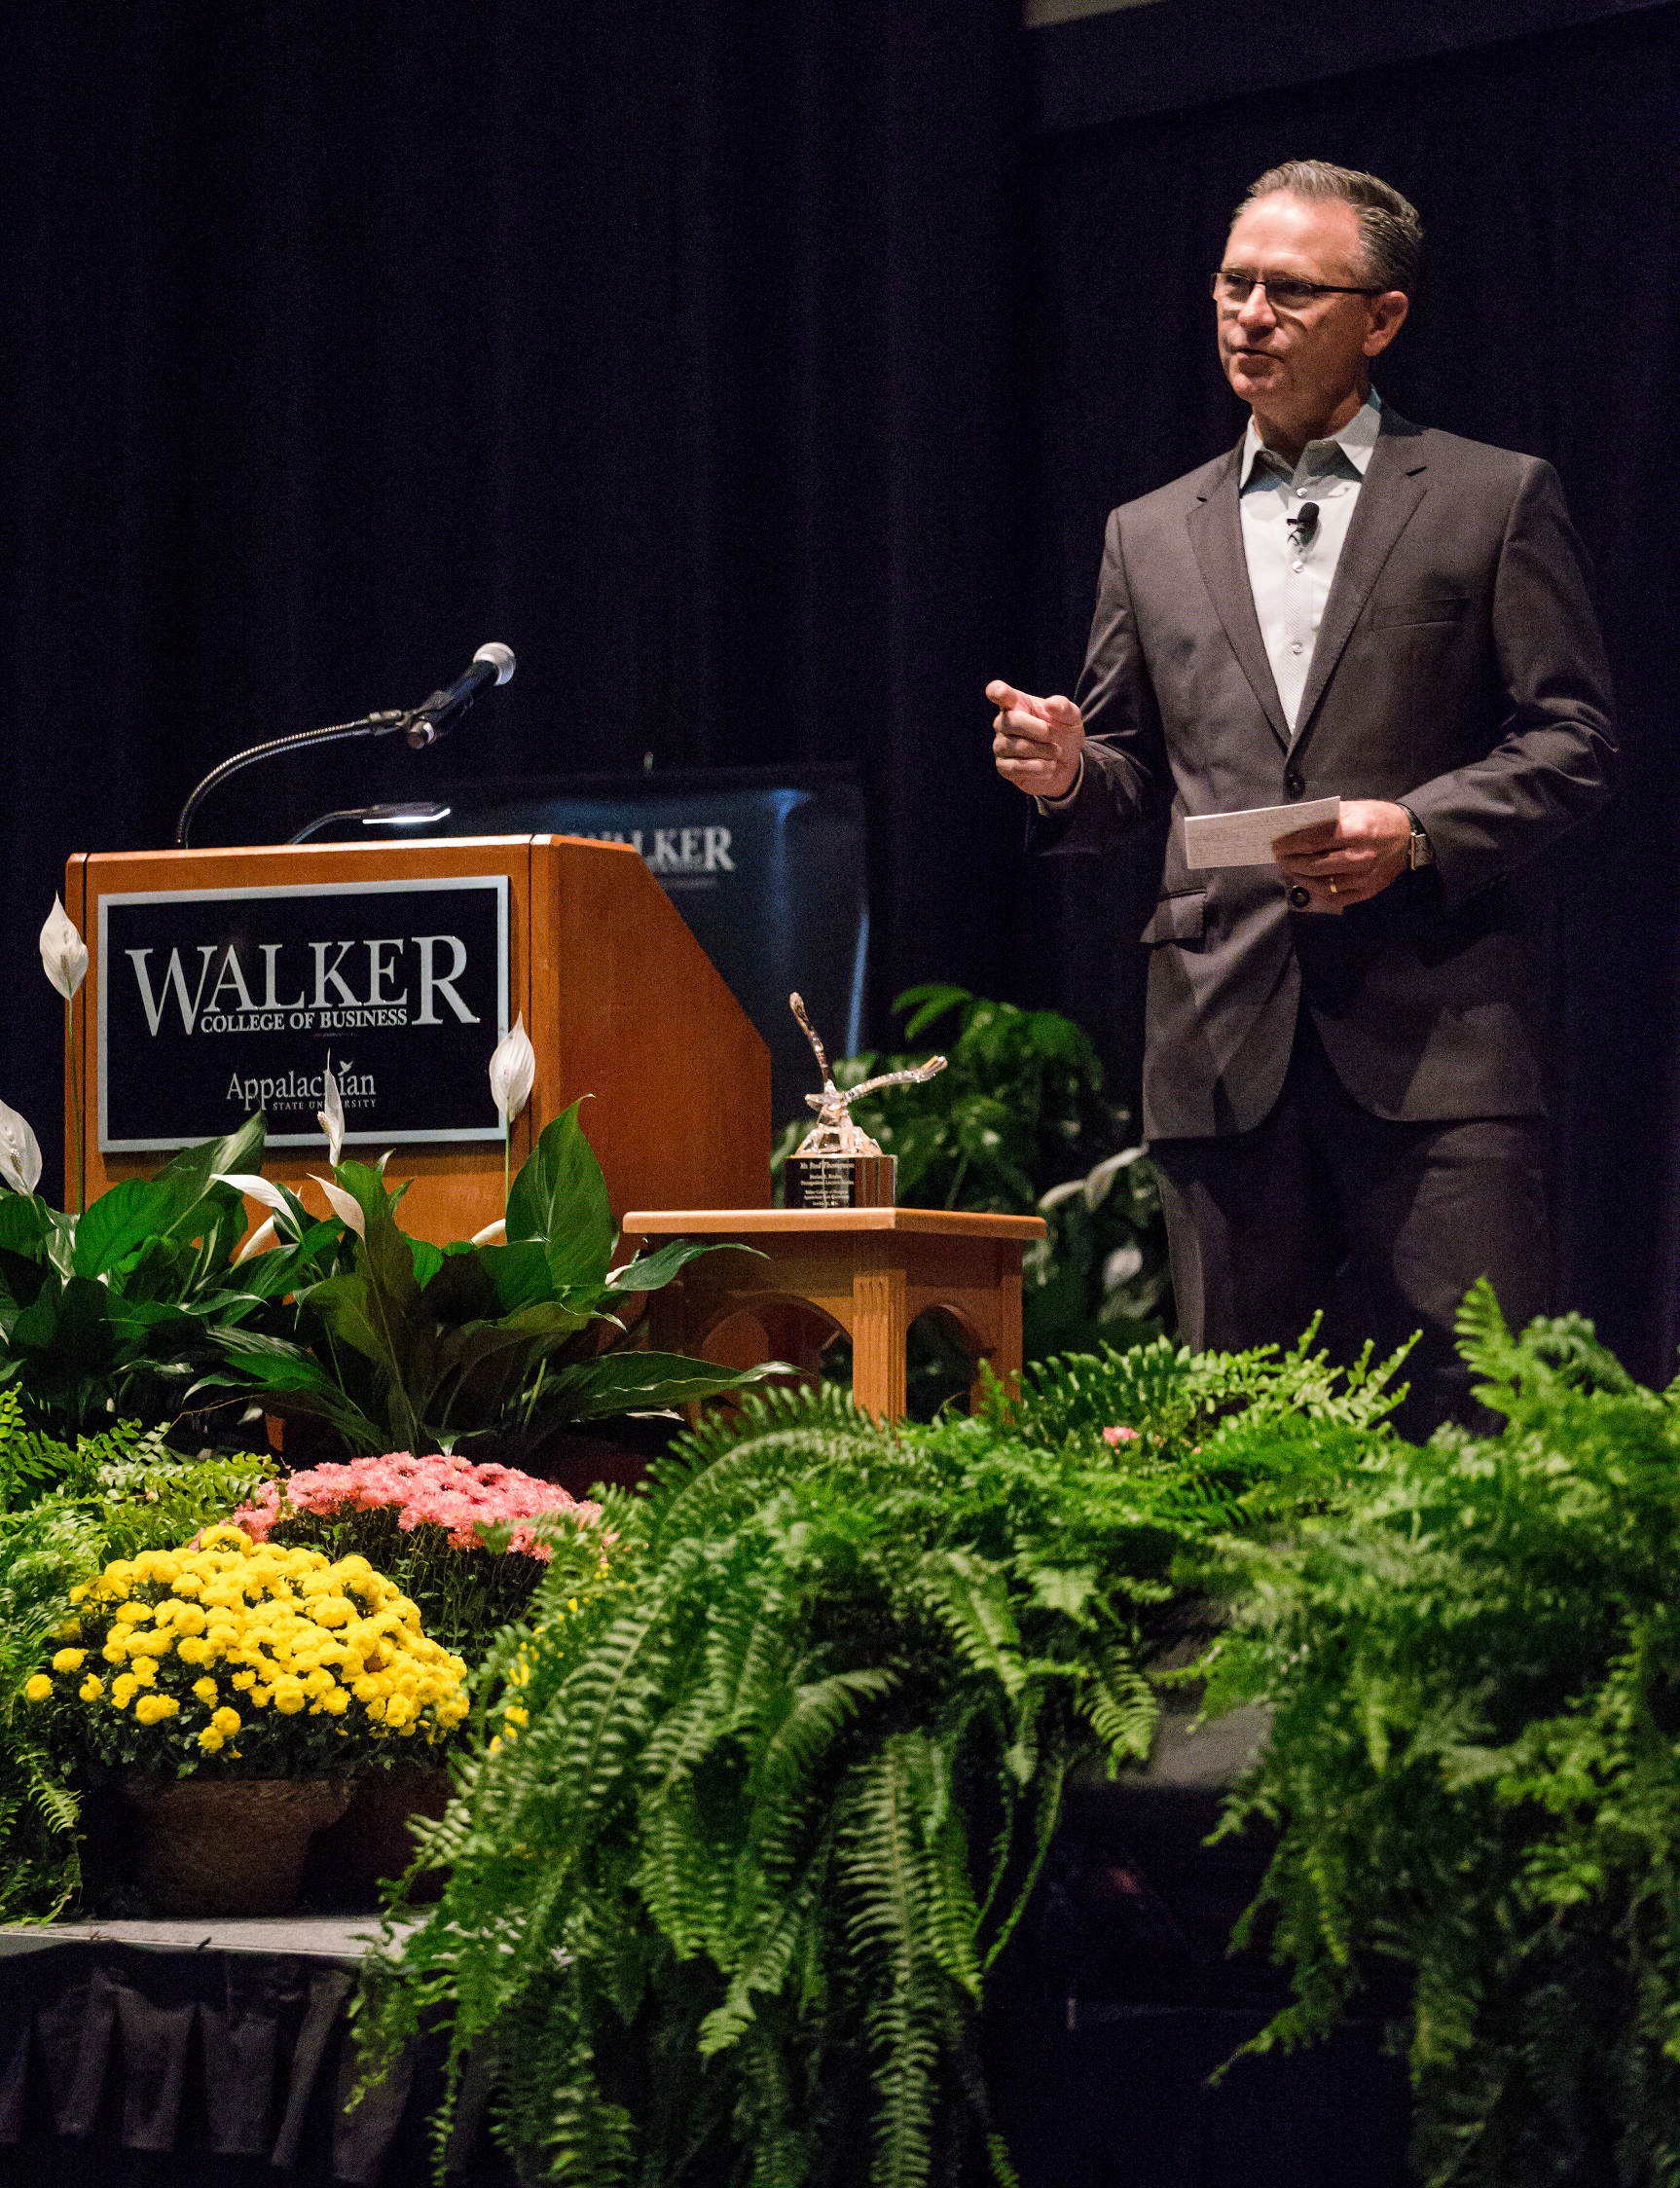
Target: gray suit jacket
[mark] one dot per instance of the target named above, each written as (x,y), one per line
(1458,669)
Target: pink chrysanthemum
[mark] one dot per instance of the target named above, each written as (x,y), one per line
(442,1490)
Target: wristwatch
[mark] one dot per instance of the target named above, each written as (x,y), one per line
(1422,851)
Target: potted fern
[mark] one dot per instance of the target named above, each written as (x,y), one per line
(749,1815)
(1473,1667)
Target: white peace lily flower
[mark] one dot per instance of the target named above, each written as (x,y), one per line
(344,1205)
(513,1071)
(64,953)
(19,1151)
(261,1239)
(492,1234)
(254,1188)
(331,1120)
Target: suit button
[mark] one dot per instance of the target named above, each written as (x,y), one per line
(1294,787)
(1301,897)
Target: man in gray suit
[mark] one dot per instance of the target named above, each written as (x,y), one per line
(1346,604)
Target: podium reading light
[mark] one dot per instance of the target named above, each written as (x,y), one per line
(417,815)
(422,725)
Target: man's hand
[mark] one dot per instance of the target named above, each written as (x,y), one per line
(1350,859)
(1036,742)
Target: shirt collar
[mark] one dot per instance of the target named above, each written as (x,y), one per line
(1356,441)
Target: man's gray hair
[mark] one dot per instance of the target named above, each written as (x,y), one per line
(1388,225)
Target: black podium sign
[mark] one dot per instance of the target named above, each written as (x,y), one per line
(217,1001)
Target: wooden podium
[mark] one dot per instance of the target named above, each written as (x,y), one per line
(619,1000)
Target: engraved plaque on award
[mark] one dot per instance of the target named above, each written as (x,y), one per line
(837,1164)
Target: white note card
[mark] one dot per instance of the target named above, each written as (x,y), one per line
(1244,839)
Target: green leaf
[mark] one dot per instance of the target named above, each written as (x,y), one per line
(651,1272)
(347,1303)
(120,1221)
(927,1003)
(1065,1588)
(186,1178)
(24,1221)
(640,1383)
(290,1380)
(520,1273)
(531,1331)
(559,1197)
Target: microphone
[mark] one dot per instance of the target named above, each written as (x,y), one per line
(491,663)
(1302,530)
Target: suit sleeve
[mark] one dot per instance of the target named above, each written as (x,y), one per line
(1556,758)
(1126,780)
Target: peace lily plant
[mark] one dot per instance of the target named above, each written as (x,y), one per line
(408,1345)
(152,1304)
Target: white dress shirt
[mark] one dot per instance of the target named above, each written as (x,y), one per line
(1290,582)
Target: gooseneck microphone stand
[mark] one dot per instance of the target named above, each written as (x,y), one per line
(383,724)
(491,665)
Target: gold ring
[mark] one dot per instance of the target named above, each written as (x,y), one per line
(1332,888)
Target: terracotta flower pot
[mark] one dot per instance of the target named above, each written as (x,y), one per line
(227,1845)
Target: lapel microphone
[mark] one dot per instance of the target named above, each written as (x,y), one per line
(1303,527)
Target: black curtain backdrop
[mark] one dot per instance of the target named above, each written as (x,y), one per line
(672,343)
(757,376)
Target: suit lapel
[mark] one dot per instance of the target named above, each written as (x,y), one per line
(1215,526)
(1394,485)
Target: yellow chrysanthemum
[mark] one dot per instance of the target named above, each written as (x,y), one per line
(38,1689)
(90,1689)
(124,1690)
(210,1740)
(206,1690)
(151,1709)
(69,1659)
(227,1721)
(145,1669)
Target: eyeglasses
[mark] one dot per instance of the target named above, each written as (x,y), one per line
(1234,285)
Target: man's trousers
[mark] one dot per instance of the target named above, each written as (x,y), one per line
(1383,1225)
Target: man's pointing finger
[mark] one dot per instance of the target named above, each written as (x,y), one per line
(1008,699)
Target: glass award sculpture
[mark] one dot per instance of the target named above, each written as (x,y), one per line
(837,1164)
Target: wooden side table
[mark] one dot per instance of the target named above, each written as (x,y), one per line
(871,1271)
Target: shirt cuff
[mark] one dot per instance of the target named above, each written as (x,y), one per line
(1061,804)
